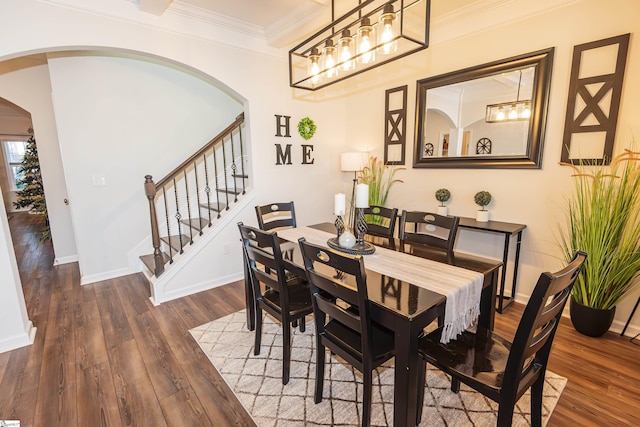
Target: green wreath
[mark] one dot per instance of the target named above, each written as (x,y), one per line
(306,128)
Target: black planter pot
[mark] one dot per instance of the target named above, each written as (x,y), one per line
(593,322)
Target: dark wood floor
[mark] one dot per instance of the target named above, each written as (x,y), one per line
(104,356)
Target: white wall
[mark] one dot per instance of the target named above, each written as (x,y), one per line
(531,197)
(16,330)
(26,83)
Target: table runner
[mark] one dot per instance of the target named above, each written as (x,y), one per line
(462,287)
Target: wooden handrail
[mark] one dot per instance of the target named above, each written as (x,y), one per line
(239,120)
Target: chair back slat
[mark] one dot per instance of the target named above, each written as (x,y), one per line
(276,216)
(381,221)
(262,249)
(337,297)
(429,229)
(532,342)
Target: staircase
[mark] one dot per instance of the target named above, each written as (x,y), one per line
(194,196)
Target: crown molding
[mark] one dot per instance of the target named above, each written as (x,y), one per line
(482,15)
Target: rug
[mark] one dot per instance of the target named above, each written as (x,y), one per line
(257,382)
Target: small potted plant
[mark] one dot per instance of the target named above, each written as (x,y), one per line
(443,195)
(482,199)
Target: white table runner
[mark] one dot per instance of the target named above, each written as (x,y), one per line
(462,287)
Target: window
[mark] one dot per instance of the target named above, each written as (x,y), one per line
(14,154)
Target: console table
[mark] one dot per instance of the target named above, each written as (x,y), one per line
(507,229)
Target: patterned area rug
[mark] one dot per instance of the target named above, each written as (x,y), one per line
(256,380)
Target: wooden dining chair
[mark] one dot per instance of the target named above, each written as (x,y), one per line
(343,322)
(381,221)
(501,370)
(429,229)
(276,216)
(284,296)
(271,217)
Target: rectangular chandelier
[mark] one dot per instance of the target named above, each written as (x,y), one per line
(373,33)
(508,111)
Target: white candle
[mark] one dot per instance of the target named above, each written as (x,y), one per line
(362,196)
(340,204)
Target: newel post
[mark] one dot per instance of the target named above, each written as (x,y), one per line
(150,191)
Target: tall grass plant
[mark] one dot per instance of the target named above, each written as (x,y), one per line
(603,219)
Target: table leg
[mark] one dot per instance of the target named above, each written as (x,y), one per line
(503,273)
(516,263)
(406,379)
(487,301)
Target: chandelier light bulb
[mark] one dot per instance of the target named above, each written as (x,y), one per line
(345,46)
(388,30)
(365,42)
(314,66)
(329,55)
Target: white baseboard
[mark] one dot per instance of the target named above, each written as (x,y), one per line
(65,259)
(21,340)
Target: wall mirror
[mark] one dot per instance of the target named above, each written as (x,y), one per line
(489,116)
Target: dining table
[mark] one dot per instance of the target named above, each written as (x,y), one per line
(404,307)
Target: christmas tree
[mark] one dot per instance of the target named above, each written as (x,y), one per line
(32,193)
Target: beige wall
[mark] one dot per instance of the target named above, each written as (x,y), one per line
(531,197)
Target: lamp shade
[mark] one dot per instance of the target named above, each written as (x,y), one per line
(352,162)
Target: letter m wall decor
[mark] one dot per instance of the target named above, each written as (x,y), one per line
(597,70)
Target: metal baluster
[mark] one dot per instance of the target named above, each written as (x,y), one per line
(244,187)
(207,189)
(186,189)
(224,169)
(195,173)
(215,172)
(178,215)
(233,170)
(166,215)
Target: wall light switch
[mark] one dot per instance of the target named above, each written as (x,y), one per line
(98,180)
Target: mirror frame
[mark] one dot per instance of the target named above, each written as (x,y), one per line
(542,60)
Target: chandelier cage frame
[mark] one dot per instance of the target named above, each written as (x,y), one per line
(411,21)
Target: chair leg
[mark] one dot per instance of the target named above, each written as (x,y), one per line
(422,379)
(366,397)
(536,402)
(320,360)
(258,337)
(302,324)
(505,413)
(286,352)
(455,385)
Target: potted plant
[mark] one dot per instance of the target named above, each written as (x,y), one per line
(482,199)
(603,219)
(443,195)
(380,178)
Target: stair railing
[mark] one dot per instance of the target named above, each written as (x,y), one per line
(183,184)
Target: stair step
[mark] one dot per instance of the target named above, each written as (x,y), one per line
(196,223)
(214,207)
(174,241)
(147,260)
(224,190)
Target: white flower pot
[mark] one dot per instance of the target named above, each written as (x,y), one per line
(482,216)
(443,210)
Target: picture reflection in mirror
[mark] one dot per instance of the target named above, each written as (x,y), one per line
(488,116)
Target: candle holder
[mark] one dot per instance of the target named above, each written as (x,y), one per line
(339,225)
(360,226)
(347,242)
